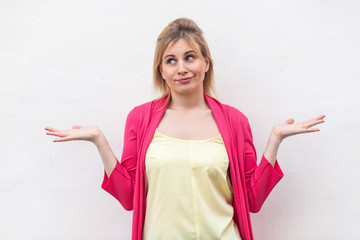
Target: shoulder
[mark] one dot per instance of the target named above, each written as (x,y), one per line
(236,113)
(145,110)
(237,120)
(141,108)
(233,113)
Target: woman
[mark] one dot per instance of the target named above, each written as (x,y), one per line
(188,168)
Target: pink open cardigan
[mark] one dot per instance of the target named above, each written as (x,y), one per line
(251,183)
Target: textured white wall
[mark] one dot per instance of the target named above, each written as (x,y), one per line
(89,62)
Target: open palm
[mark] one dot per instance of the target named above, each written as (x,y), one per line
(76,133)
(289,127)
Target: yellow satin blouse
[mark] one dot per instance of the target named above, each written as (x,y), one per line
(189,195)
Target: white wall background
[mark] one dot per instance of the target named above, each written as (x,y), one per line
(90,62)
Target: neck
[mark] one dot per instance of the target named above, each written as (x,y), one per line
(188,102)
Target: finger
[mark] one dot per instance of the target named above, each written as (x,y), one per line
(290,121)
(320,117)
(308,130)
(64,139)
(57,134)
(320,121)
(76,127)
(51,129)
(312,130)
(309,125)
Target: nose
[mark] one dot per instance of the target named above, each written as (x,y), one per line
(181,68)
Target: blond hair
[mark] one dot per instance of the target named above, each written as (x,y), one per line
(187,29)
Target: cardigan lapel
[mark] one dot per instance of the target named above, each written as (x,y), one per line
(153,116)
(221,116)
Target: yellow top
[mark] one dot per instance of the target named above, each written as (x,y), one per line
(189,194)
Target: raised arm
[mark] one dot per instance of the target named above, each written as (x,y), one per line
(91,134)
(286,129)
(262,178)
(119,177)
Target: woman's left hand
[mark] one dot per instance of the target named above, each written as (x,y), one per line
(289,127)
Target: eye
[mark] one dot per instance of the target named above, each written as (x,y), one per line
(190,57)
(170,61)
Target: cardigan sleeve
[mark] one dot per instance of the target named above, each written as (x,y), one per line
(120,184)
(260,179)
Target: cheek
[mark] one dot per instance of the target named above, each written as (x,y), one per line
(166,72)
(203,70)
(161,68)
(166,76)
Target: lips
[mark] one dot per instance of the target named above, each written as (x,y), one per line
(184,80)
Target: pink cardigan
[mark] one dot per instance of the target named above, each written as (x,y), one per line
(251,183)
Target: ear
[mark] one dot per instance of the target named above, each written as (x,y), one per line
(160,69)
(207,66)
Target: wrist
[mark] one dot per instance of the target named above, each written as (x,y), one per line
(98,137)
(275,137)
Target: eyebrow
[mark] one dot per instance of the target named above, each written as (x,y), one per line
(172,55)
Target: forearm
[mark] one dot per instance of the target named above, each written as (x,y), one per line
(272,148)
(107,155)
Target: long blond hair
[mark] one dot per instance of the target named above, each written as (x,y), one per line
(187,29)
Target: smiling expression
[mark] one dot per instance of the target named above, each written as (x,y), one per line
(183,68)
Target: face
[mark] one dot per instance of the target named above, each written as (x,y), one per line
(183,69)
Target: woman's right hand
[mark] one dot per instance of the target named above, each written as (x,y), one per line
(76,133)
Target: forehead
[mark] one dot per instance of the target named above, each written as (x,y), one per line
(180,46)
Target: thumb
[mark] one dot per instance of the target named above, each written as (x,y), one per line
(290,121)
(76,127)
